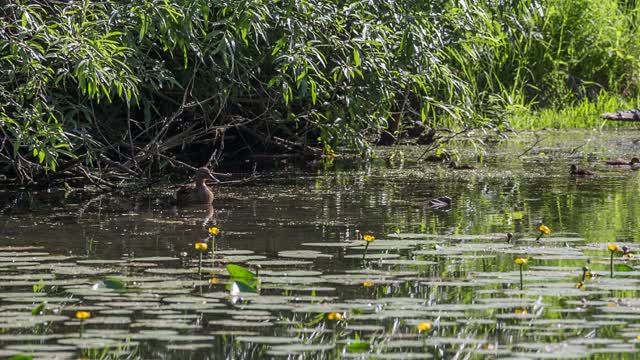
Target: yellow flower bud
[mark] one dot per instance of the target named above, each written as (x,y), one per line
(368,284)
(521,261)
(544,229)
(83,315)
(200,246)
(214,230)
(424,326)
(334,316)
(613,247)
(368,238)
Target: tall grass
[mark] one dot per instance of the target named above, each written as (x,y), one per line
(583,114)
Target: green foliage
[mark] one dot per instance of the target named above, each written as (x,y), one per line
(358,346)
(240,272)
(85,80)
(39,308)
(242,279)
(623,268)
(111,283)
(39,287)
(20,357)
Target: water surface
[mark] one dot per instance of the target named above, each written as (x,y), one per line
(451,268)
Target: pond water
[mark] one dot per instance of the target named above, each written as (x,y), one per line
(435,283)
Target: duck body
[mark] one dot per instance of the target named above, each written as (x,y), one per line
(634,162)
(574,171)
(454,165)
(197,192)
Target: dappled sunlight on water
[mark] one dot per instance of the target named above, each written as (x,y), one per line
(434,282)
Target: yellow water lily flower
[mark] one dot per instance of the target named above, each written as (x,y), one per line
(214,281)
(613,247)
(335,316)
(368,284)
(368,238)
(424,326)
(200,246)
(214,230)
(83,315)
(544,229)
(521,261)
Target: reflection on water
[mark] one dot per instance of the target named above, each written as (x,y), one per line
(273,217)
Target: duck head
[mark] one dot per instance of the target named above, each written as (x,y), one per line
(203,174)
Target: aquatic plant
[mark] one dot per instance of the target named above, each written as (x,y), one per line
(213,232)
(521,262)
(368,238)
(335,316)
(242,279)
(39,308)
(200,247)
(544,230)
(424,326)
(82,316)
(613,248)
(586,274)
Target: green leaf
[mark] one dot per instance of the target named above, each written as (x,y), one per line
(238,272)
(114,283)
(38,309)
(243,286)
(623,268)
(360,346)
(20,357)
(314,92)
(356,57)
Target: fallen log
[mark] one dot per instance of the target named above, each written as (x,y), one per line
(629,115)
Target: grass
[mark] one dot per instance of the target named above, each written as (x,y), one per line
(583,114)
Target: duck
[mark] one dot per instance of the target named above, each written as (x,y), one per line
(454,165)
(197,192)
(634,162)
(574,171)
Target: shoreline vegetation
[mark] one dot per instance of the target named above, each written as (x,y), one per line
(115,92)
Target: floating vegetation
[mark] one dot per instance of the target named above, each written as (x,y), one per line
(453,293)
(237,297)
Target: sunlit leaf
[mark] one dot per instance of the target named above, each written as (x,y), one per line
(360,346)
(240,272)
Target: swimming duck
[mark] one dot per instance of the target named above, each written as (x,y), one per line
(454,165)
(197,192)
(635,162)
(574,171)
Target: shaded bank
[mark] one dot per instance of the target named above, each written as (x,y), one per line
(124,90)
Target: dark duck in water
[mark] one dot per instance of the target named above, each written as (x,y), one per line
(634,162)
(197,192)
(456,166)
(575,171)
